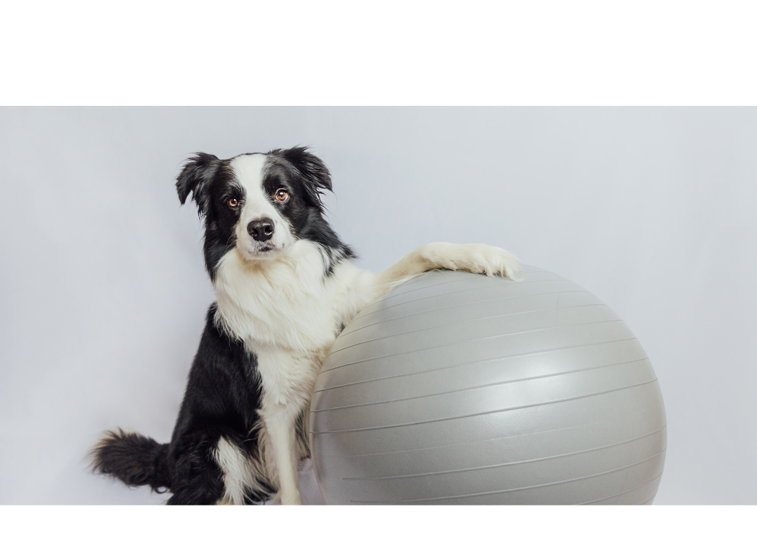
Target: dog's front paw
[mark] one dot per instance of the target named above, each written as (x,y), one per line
(475,258)
(492,261)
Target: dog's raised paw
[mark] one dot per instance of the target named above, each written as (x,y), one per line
(475,258)
(494,261)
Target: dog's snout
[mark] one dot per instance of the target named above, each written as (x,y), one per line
(261,229)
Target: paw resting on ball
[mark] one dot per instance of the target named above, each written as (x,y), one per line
(475,258)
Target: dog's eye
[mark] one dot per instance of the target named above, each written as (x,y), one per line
(233,203)
(282,195)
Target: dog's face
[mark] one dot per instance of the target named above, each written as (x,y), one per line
(259,203)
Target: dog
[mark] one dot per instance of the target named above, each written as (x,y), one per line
(285,286)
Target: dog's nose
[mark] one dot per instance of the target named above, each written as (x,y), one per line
(261,229)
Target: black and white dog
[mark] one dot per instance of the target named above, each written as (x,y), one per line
(286,287)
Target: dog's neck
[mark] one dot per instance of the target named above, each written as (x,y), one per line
(288,301)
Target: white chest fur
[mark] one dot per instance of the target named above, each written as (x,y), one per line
(288,313)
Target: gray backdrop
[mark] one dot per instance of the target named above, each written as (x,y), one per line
(104,292)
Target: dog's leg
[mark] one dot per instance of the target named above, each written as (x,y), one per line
(476,258)
(197,478)
(280,422)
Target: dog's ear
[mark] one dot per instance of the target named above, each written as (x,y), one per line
(196,178)
(313,170)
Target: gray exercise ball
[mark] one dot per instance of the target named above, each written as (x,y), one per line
(456,388)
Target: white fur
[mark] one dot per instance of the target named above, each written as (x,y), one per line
(288,314)
(238,472)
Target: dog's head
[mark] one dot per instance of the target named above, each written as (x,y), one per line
(258,203)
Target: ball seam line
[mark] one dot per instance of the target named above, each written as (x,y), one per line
(472,319)
(505,464)
(466,364)
(492,384)
(535,330)
(471,277)
(465,305)
(486,338)
(652,480)
(520,284)
(500,438)
(341,431)
(657,454)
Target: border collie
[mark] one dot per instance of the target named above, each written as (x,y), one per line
(285,286)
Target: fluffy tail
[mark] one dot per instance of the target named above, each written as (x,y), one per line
(134,459)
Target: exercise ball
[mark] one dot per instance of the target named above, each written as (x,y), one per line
(457,388)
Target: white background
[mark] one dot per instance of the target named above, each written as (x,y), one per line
(104,291)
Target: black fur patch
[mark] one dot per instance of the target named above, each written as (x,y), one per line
(222,399)
(307,176)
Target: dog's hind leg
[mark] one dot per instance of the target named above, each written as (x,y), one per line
(238,472)
(198,479)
